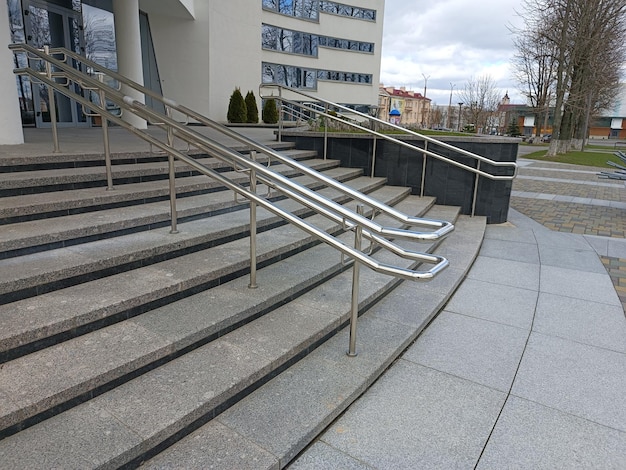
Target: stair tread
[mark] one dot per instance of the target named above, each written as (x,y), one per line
(199,389)
(53,265)
(58,311)
(87,224)
(97,173)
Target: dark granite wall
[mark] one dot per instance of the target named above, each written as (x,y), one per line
(403,167)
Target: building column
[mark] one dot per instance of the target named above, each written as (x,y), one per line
(10,118)
(128,45)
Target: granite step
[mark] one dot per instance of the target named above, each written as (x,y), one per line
(268,428)
(36,322)
(40,272)
(122,427)
(48,180)
(50,233)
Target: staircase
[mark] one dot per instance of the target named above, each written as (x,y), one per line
(122,344)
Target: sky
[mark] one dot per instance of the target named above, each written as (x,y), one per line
(449,41)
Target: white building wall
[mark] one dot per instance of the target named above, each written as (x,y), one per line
(201,61)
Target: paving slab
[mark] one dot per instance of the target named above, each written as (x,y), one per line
(505,272)
(585,285)
(585,381)
(529,435)
(592,323)
(321,455)
(495,302)
(482,351)
(416,417)
(571,258)
(510,250)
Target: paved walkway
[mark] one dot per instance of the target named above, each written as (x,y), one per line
(526,366)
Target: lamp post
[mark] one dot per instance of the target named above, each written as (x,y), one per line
(460,106)
(424,100)
(450,106)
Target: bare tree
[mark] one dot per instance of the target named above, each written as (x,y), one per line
(481,100)
(587,43)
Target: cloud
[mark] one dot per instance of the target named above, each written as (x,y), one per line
(448,41)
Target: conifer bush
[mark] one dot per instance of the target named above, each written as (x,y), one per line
(237,107)
(251,108)
(270,112)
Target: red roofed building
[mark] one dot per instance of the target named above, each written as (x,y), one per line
(413,107)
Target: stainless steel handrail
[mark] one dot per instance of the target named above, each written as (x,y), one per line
(377,123)
(323,206)
(442,228)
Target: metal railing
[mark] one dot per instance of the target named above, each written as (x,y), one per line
(364,227)
(308,102)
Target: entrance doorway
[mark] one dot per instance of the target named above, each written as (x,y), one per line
(50,24)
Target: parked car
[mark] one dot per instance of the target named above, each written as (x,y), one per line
(546,138)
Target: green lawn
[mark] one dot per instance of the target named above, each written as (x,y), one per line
(597,159)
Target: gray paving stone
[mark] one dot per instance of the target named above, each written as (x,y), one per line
(495,302)
(599,244)
(515,251)
(596,324)
(582,260)
(509,232)
(582,380)
(616,248)
(563,240)
(594,287)
(216,447)
(321,455)
(84,437)
(505,272)
(529,435)
(482,351)
(415,417)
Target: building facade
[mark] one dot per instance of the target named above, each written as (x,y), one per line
(403,107)
(197,52)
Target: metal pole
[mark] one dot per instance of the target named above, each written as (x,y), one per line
(280,114)
(326,121)
(105,136)
(172,178)
(52,109)
(354,309)
(373,150)
(253,284)
(423,169)
(475,190)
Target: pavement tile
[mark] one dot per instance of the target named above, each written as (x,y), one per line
(416,417)
(575,378)
(494,302)
(592,323)
(503,249)
(582,260)
(578,284)
(321,455)
(482,351)
(529,435)
(505,272)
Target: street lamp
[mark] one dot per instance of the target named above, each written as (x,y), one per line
(460,106)
(450,105)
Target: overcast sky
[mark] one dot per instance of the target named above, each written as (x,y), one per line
(448,41)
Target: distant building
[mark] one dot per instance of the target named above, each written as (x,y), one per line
(403,107)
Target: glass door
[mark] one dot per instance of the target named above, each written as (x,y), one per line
(48,24)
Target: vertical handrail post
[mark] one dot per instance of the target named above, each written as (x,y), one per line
(172,176)
(422,184)
(354,307)
(326,121)
(105,134)
(280,114)
(52,109)
(475,190)
(253,227)
(373,150)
